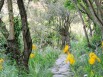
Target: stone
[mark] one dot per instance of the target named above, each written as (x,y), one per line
(59,76)
(53,70)
(59,61)
(65,65)
(61,68)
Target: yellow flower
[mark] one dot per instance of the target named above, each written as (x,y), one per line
(68,52)
(93,58)
(33,47)
(32,55)
(66,48)
(92,55)
(72,61)
(70,58)
(91,61)
(1,60)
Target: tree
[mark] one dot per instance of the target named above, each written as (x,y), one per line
(60,17)
(84,25)
(21,58)
(12,47)
(26,34)
(93,9)
(11,18)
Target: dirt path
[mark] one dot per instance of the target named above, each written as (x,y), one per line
(61,68)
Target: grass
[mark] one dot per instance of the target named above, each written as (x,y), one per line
(7,70)
(39,65)
(44,59)
(82,67)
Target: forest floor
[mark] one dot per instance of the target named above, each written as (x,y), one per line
(61,68)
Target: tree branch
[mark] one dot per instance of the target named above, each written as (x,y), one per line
(96,18)
(1,4)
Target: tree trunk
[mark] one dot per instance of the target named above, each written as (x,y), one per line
(64,24)
(12,46)
(11,20)
(84,26)
(90,28)
(1,4)
(67,27)
(26,35)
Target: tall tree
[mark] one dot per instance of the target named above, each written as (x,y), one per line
(21,58)
(11,42)
(64,29)
(26,34)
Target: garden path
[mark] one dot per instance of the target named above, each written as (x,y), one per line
(61,68)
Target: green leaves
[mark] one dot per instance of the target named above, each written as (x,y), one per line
(17,29)
(69,4)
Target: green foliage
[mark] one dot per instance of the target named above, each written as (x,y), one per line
(45,37)
(17,29)
(82,66)
(69,4)
(8,70)
(96,39)
(75,37)
(50,1)
(2,39)
(79,48)
(2,43)
(40,65)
